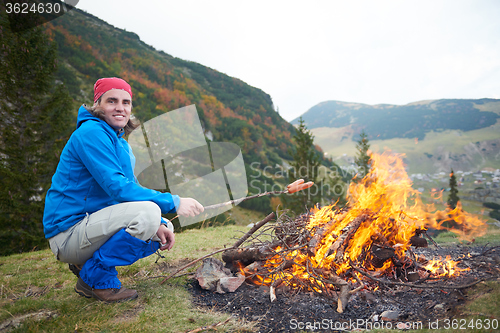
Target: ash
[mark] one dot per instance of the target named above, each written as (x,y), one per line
(293,311)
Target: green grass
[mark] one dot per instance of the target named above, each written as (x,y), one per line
(35,282)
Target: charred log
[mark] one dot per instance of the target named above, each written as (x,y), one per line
(418,241)
(343,240)
(319,236)
(381,254)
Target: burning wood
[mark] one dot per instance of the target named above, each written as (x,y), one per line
(330,251)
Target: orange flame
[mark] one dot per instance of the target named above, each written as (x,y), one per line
(445,268)
(393,211)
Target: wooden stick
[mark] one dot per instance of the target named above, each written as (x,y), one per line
(194,262)
(256,227)
(432,240)
(237,201)
(320,234)
(296,186)
(343,240)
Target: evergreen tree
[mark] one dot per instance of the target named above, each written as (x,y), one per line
(305,166)
(453,198)
(36,118)
(362,159)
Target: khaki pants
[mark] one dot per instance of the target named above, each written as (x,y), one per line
(77,244)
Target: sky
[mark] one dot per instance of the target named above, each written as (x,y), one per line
(302,53)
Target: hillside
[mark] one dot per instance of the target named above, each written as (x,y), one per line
(434,135)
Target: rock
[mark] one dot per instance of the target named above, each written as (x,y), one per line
(230,284)
(439,306)
(389,315)
(212,275)
(210,272)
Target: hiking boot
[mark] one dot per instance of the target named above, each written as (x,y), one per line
(105,295)
(83,289)
(75,269)
(114,295)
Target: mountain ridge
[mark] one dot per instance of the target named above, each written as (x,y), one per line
(460,133)
(411,120)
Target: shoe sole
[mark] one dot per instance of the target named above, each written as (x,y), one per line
(83,293)
(90,294)
(131,298)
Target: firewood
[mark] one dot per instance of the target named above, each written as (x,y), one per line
(247,255)
(342,241)
(418,241)
(272,289)
(320,234)
(430,238)
(254,229)
(329,277)
(192,263)
(381,255)
(414,285)
(379,238)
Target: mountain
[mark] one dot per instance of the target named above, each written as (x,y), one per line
(435,135)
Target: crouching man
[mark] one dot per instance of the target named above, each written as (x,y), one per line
(96,215)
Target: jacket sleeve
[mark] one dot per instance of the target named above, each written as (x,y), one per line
(97,152)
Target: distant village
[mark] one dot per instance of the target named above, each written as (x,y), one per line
(483,186)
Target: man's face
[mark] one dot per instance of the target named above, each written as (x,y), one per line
(117,106)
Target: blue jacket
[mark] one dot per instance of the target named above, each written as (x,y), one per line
(96,170)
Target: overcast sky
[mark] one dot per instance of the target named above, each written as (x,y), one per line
(306,52)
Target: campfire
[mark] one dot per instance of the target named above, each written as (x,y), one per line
(338,251)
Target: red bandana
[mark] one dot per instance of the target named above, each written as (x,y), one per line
(108,83)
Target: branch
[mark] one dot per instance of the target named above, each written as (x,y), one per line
(256,227)
(411,285)
(194,262)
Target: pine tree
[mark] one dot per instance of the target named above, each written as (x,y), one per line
(36,118)
(453,198)
(362,158)
(305,166)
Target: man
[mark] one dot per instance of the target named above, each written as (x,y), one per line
(96,215)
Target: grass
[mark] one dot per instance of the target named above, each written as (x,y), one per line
(35,283)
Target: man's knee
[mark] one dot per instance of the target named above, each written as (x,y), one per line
(147,221)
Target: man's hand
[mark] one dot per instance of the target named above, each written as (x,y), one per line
(189,207)
(166,236)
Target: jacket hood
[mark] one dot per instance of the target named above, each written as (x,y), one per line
(84,115)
